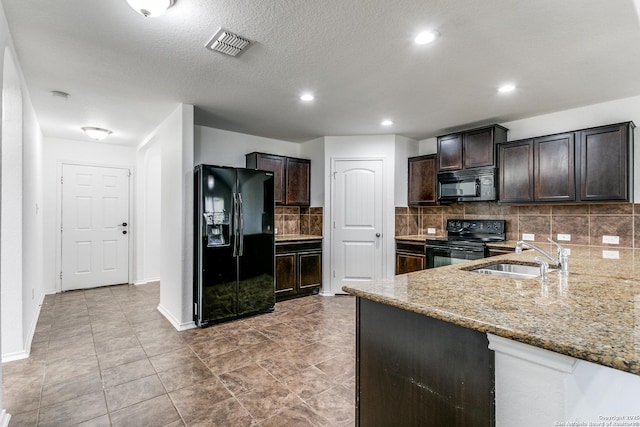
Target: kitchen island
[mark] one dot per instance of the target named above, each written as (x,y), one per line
(559,346)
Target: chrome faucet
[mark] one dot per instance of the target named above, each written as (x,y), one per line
(562,257)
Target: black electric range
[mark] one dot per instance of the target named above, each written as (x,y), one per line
(466,240)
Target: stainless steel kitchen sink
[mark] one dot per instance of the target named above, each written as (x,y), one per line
(510,270)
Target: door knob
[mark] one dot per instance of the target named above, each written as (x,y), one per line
(124,232)
(377,234)
(124,224)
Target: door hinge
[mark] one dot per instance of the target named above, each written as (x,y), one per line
(334,273)
(61,275)
(334,175)
(62,180)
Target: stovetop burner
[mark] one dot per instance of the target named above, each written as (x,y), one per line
(476,230)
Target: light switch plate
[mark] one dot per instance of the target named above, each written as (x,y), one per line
(610,254)
(431,231)
(614,240)
(527,236)
(564,237)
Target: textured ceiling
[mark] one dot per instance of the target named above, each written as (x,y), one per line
(127,73)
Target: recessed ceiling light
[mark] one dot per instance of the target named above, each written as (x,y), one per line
(509,87)
(96,133)
(307,97)
(425,37)
(386,122)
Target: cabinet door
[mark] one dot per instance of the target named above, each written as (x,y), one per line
(310,264)
(422,180)
(554,168)
(604,163)
(450,152)
(516,172)
(272,163)
(406,262)
(285,273)
(298,173)
(478,148)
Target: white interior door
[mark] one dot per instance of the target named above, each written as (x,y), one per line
(95,226)
(357,244)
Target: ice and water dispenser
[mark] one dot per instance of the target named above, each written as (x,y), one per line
(217,217)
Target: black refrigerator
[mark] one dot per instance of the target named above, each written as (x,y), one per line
(234,254)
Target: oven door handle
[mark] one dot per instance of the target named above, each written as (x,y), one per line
(452,248)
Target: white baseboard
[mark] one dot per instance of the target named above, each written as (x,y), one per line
(24,353)
(325,294)
(176,324)
(4,418)
(146,281)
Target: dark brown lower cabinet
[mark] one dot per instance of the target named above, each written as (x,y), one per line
(298,269)
(409,256)
(412,370)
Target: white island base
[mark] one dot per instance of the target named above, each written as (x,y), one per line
(537,387)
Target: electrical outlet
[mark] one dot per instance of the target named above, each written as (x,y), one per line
(431,231)
(613,240)
(527,236)
(564,237)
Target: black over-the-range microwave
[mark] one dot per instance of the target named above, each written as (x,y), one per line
(467,185)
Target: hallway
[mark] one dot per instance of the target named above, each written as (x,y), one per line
(106,356)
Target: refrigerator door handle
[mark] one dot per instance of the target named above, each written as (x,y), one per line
(235,224)
(241,228)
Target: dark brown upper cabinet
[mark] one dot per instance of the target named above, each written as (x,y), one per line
(590,165)
(470,149)
(450,152)
(606,162)
(297,181)
(292,177)
(423,180)
(554,168)
(516,172)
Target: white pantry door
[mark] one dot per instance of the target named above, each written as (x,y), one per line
(357,222)
(95,232)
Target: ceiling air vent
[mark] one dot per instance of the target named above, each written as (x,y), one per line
(228,43)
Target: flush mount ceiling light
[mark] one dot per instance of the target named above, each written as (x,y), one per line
(386,122)
(307,97)
(426,37)
(96,133)
(150,7)
(226,42)
(506,88)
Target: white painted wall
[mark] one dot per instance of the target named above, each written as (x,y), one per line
(405,148)
(32,222)
(224,148)
(176,138)
(370,146)
(148,210)
(11,210)
(55,153)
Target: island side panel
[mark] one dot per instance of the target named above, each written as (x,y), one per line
(413,370)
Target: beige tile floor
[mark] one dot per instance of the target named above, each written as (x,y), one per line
(106,357)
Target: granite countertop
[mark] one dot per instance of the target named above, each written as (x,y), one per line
(592,314)
(296,237)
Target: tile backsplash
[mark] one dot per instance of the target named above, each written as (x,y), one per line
(586,223)
(299,220)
